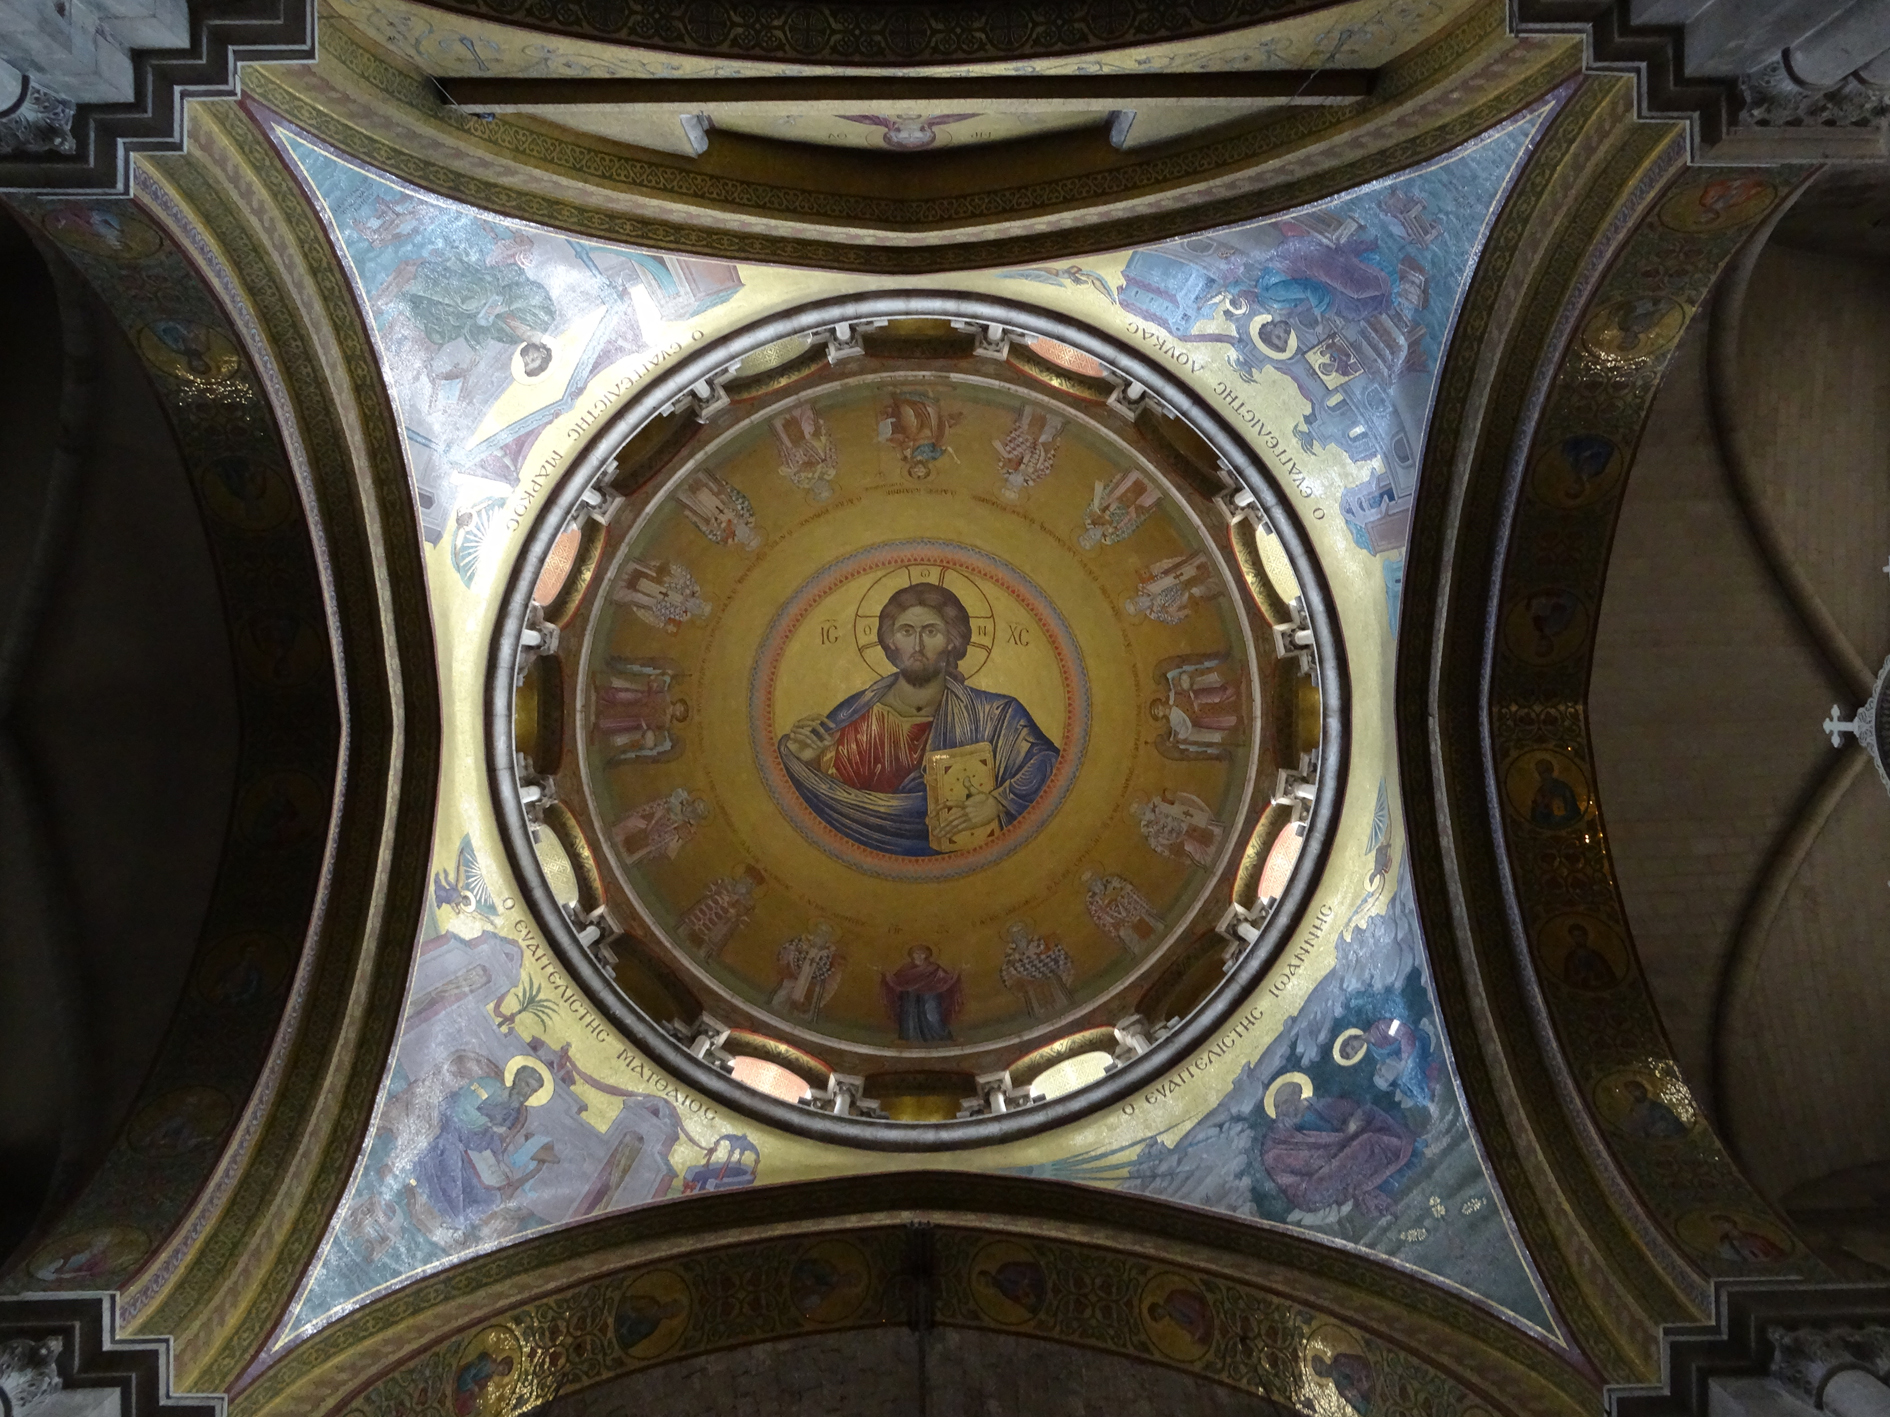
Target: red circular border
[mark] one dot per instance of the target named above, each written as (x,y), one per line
(966,561)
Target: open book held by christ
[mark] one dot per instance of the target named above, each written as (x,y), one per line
(952,777)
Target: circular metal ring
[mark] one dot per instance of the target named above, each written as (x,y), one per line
(1195,1031)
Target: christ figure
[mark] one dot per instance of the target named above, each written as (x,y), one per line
(861,766)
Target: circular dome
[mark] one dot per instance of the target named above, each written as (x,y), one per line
(868,781)
(916,720)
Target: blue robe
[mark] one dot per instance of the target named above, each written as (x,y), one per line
(476,1118)
(922,1017)
(1413,1081)
(1022,758)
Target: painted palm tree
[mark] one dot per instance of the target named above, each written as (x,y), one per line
(530,1003)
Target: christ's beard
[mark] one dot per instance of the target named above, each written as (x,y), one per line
(919,672)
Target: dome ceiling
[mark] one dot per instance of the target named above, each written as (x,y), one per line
(772,787)
(1001,752)
(666,502)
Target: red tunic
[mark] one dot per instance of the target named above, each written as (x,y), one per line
(1342,1154)
(878,750)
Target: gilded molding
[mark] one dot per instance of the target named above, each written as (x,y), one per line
(200,1112)
(215,269)
(1600,1238)
(1566,194)
(855,33)
(1628,1282)
(241,1273)
(1561,526)
(375,1357)
(363,102)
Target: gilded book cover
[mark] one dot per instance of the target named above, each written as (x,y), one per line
(952,777)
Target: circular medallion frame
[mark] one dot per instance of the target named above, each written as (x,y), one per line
(950,560)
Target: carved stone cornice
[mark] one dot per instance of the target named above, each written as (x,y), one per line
(1752,108)
(104,136)
(1267,1289)
(1743,1340)
(1039,202)
(91,1355)
(1654,55)
(1773,98)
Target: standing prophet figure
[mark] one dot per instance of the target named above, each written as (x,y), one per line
(860,767)
(809,458)
(923,997)
(1121,912)
(1028,452)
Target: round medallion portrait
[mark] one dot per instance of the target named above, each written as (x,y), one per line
(1634,327)
(1578,469)
(651,1314)
(1008,1282)
(1735,1237)
(243,969)
(1640,1103)
(279,645)
(1177,1317)
(1548,789)
(1584,952)
(182,1121)
(245,492)
(185,349)
(1715,203)
(89,1258)
(102,230)
(489,1368)
(1545,626)
(1339,1378)
(280,811)
(917,712)
(829,1281)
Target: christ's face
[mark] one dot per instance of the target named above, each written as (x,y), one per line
(921,645)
